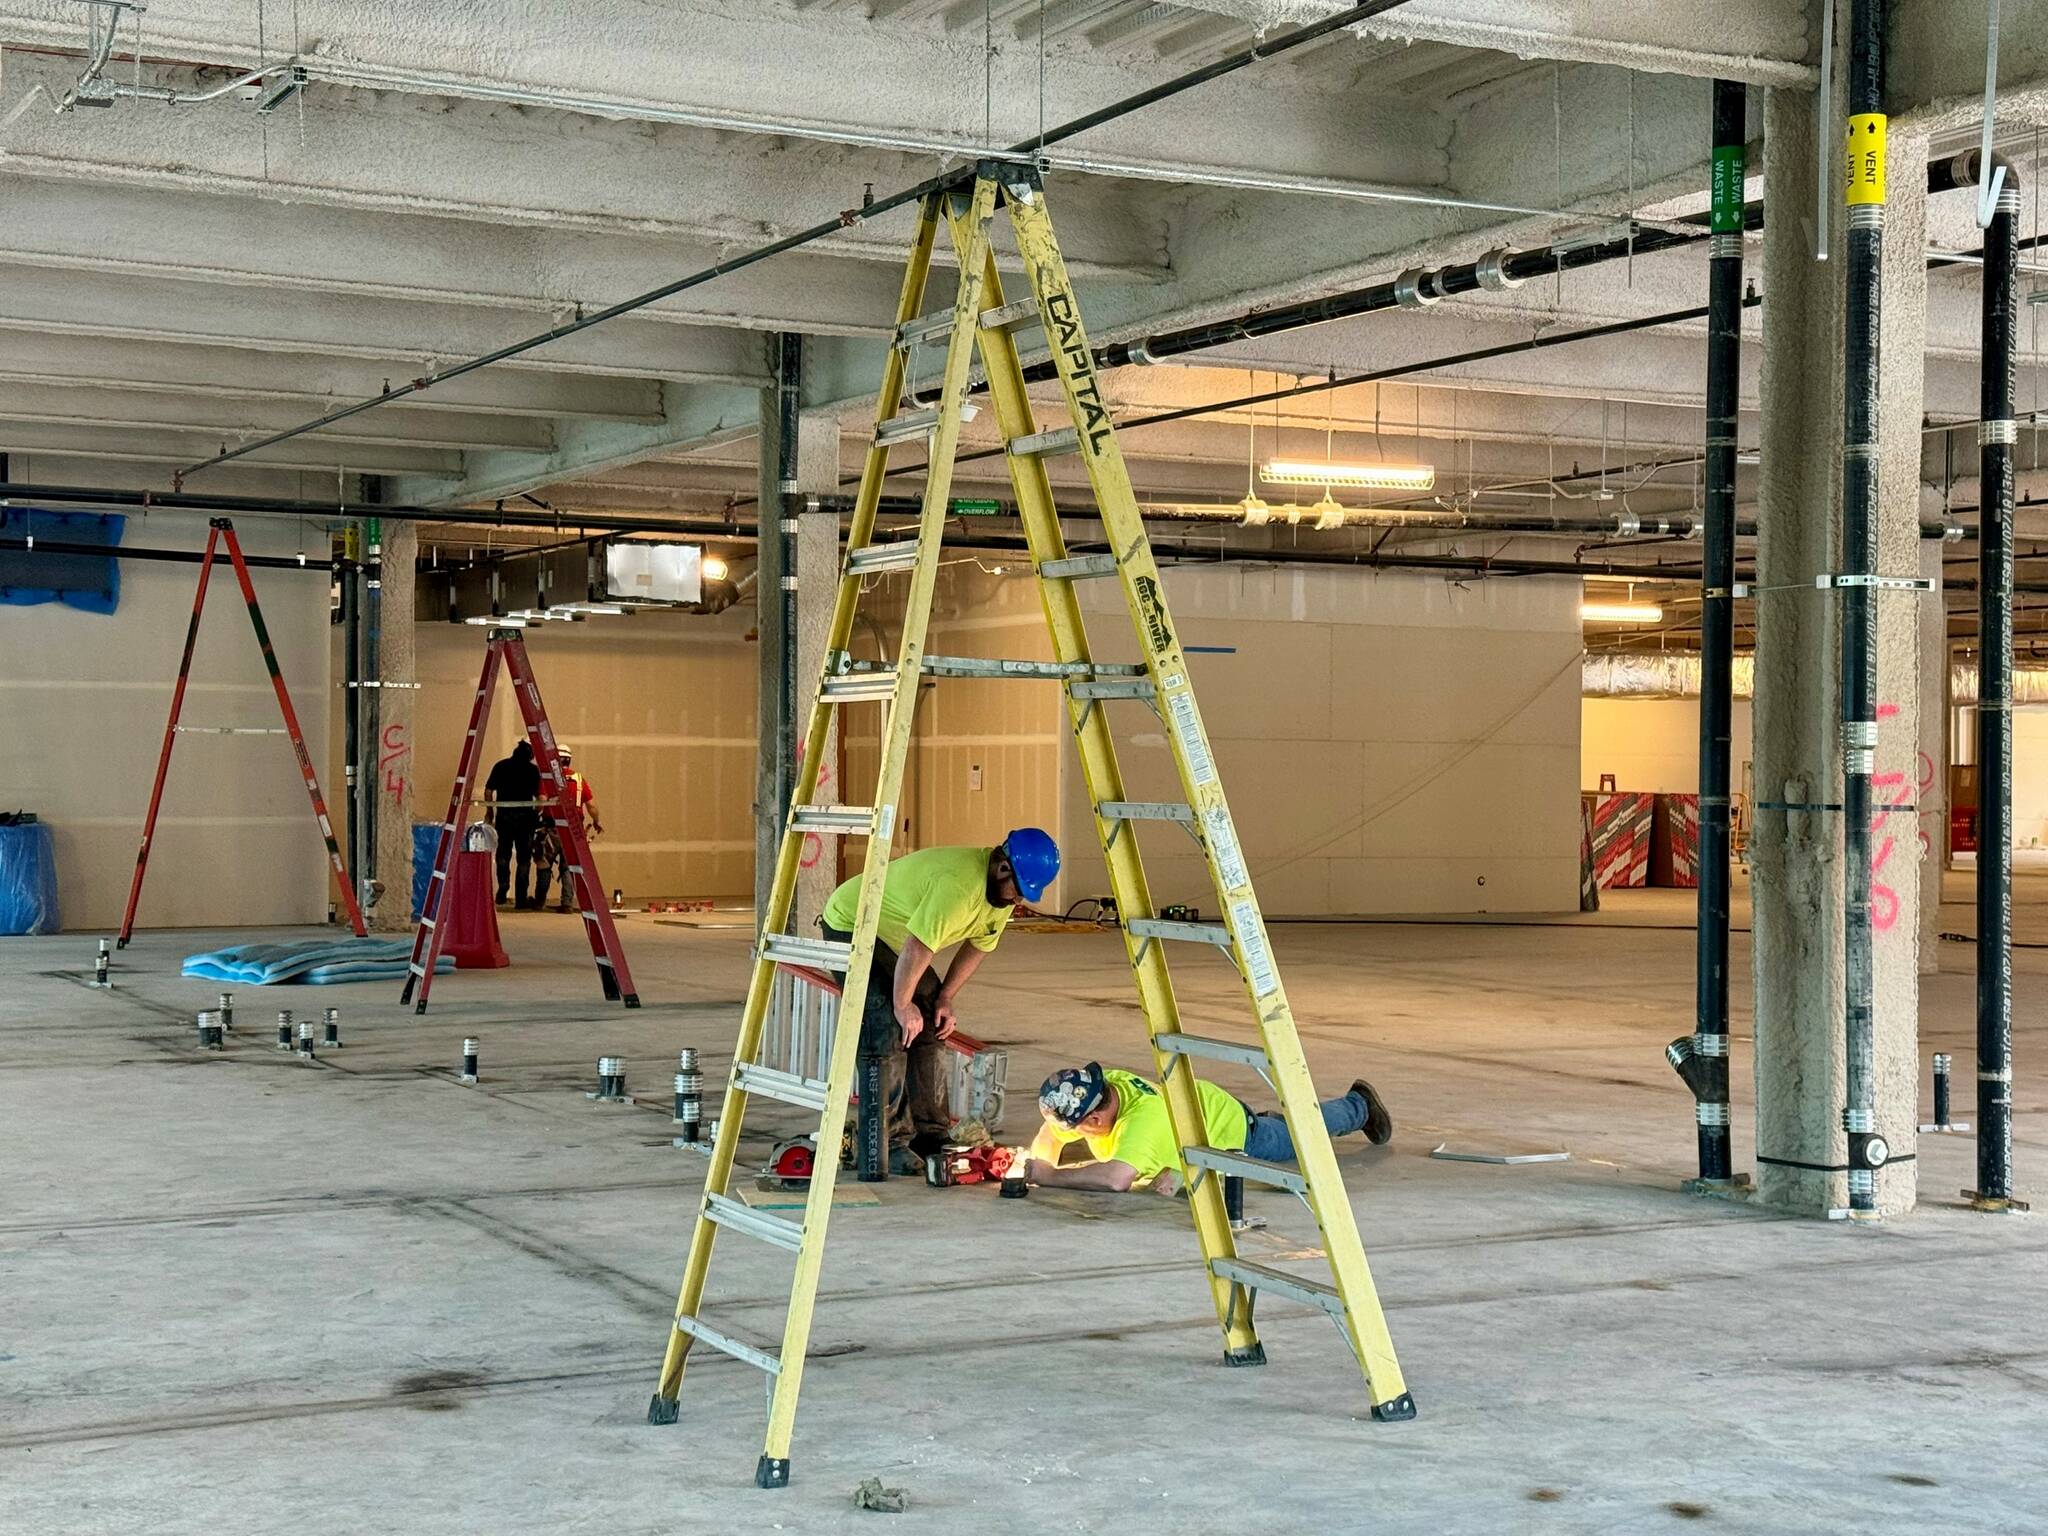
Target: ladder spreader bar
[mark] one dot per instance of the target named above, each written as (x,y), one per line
(784,1087)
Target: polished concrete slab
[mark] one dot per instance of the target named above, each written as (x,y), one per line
(247,1293)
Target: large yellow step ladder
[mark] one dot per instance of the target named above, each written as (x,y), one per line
(980,318)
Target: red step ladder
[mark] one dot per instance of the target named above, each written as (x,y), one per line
(507,648)
(222,531)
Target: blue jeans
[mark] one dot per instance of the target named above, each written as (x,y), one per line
(1268,1140)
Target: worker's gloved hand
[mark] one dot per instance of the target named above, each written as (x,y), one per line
(944,1020)
(912,1022)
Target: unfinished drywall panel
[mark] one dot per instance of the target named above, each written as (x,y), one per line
(1389,742)
(83,702)
(659,709)
(1652,744)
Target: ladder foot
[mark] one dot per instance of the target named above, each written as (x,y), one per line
(120,943)
(405,996)
(632,999)
(422,1006)
(1251,1354)
(772,1472)
(1402,1407)
(662,1410)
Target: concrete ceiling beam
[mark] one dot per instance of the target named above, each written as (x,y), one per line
(402,338)
(694,417)
(166,445)
(311,382)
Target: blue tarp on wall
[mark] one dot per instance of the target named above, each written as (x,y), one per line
(91,582)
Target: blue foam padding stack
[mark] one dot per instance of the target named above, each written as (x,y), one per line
(314,960)
(28,880)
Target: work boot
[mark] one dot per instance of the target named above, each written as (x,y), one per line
(1688,1064)
(1379,1125)
(904,1162)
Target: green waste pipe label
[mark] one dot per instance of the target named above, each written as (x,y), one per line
(968,508)
(1727,188)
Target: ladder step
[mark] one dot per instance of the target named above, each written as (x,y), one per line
(1144,810)
(997,667)
(1237,1165)
(855,819)
(1078,568)
(1171,1044)
(911,424)
(915,333)
(1193,933)
(858,687)
(1045,444)
(1137,688)
(783,1087)
(1258,1277)
(703,1333)
(871,559)
(825,954)
(1011,315)
(742,1218)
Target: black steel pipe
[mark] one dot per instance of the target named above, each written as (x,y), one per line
(42,546)
(1717,630)
(1862,273)
(1997,434)
(352,693)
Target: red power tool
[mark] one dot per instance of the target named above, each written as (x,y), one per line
(966,1165)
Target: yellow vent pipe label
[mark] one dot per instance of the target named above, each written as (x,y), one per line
(1866,158)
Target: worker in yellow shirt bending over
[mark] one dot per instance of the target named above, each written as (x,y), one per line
(932,900)
(1122,1118)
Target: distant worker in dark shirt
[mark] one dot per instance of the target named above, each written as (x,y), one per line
(512,805)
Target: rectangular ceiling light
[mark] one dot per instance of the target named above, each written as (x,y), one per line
(1385,477)
(1620,613)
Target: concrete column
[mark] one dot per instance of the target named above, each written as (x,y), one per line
(817,588)
(776,690)
(1796,854)
(391,771)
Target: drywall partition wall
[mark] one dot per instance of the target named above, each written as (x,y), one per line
(83,701)
(1652,744)
(1389,742)
(659,708)
(2030,777)
(985,754)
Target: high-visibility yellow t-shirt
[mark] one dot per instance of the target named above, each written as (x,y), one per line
(1143,1133)
(938,894)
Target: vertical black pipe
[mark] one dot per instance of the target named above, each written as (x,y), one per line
(1717,625)
(1995,437)
(373,706)
(349,569)
(789,373)
(1862,273)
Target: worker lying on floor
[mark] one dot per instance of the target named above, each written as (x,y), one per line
(1122,1119)
(931,900)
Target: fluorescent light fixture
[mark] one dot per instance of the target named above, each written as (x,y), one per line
(1386,477)
(713,568)
(1620,613)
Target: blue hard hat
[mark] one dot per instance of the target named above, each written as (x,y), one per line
(1072,1094)
(1035,858)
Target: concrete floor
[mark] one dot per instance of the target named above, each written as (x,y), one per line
(246,1294)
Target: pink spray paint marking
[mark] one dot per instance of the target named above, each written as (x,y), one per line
(1884,901)
(392,761)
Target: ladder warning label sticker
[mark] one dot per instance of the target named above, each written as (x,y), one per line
(1251,943)
(1201,766)
(1223,848)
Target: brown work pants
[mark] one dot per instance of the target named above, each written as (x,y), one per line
(913,1081)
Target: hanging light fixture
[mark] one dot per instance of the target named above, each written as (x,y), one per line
(1620,613)
(1384,477)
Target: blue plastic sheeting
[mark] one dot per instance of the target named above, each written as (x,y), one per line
(426,837)
(316,960)
(91,582)
(28,880)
